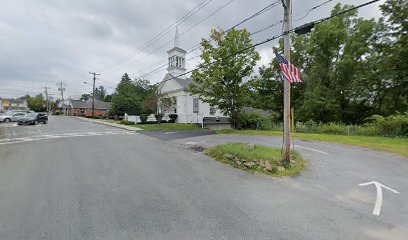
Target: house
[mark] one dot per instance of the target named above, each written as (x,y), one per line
(188,107)
(13,104)
(84,108)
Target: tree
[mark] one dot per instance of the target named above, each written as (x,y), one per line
(85,97)
(37,103)
(396,54)
(129,96)
(100,93)
(124,100)
(221,77)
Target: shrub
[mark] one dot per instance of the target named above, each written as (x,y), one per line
(173,116)
(159,117)
(143,118)
(171,121)
(394,125)
(255,121)
(124,122)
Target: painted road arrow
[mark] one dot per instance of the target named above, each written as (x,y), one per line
(378,202)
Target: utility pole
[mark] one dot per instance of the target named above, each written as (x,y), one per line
(93,92)
(287,5)
(47,99)
(61,89)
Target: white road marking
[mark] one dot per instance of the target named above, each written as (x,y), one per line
(64,135)
(194,143)
(311,149)
(378,201)
(169,132)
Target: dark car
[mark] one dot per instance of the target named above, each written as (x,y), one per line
(33,119)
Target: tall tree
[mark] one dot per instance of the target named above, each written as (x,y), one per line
(37,103)
(100,93)
(124,100)
(221,77)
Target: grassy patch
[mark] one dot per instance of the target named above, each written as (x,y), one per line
(168,126)
(388,144)
(237,154)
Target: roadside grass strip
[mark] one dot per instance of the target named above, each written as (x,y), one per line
(256,158)
(387,144)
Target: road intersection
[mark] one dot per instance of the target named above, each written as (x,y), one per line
(76,179)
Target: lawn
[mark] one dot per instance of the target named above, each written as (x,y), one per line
(256,158)
(388,144)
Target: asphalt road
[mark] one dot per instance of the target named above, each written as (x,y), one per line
(73,179)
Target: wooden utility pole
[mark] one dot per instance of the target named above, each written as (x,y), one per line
(93,92)
(286,85)
(47,100)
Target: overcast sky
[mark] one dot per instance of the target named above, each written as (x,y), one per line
(43,42)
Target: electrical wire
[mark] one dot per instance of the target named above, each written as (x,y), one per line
(273,38)
(161,34)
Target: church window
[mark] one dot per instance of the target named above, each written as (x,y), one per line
(195,105)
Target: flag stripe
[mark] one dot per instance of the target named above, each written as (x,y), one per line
(292,74)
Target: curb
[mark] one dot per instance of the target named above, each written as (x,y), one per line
(110,124)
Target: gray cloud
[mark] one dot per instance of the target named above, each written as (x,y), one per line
(47,41)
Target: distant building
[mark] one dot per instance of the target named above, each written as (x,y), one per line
(13,104)
(188,107)
(84,108)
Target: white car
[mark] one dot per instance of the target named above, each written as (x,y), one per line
(11,116)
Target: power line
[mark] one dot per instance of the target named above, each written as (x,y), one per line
(311,9)
(61,88)
(256,32)
(275,37)
(163,66)
(161,34)
(197,46)
(189,29)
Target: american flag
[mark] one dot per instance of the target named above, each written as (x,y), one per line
(289,70)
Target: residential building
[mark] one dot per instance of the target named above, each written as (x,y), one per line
(188,107)
(13,104)
(84,108)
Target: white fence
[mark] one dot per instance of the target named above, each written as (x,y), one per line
(150,118)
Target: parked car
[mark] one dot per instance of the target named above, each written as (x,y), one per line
(33,119)
(11,116)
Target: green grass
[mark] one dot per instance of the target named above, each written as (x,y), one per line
(388,144)
(227,152)
(167,126)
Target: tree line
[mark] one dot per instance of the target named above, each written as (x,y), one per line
(352,68)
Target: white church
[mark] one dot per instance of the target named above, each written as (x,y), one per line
(188,107)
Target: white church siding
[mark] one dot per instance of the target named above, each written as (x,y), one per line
(175,84)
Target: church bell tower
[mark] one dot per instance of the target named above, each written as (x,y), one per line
(177,58)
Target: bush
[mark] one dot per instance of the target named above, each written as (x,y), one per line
(124,122)
(171,121)
(143,118)
(173,116)
(255,121)
(394,125)
(159,117)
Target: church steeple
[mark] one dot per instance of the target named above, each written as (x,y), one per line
(177,39)
(176,58)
